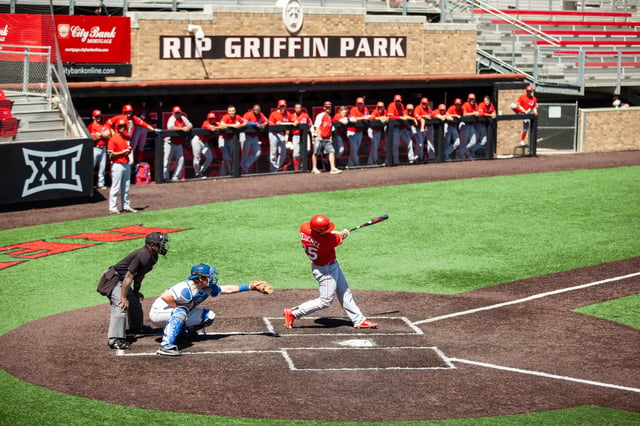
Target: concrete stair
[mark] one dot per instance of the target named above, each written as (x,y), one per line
(38,119)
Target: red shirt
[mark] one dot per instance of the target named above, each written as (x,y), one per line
(227,119)
(303,118)
(319,248)
(135,121)
(251,117)
(395,110)
(485,109)
(526,103)
(117,144)
(356,113)
(276,117)
(423,111)
(468,107)
(206,124)
(377,114)
(454,111)
(323,124)
(96,129)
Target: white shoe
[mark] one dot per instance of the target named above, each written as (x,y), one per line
(522,143)
(335,171)
(130,210)
(316,171)
(114,211)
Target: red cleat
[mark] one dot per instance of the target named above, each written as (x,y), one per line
(367,324)
(289,318)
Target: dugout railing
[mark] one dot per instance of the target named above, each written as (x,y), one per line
(391,127)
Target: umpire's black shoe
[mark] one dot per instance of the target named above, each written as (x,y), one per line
(119,344)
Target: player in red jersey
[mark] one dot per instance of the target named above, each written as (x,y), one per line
(118,150)
(229,120)
(250,139)
(278,140)
(376,130)
(354,134)
(425,132)
(319,241)
(299,116)
(200,146)
(323,144)
(100,133)
(485,109)
(526,104)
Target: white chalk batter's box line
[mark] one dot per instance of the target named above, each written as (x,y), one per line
(415,330)
(291,364)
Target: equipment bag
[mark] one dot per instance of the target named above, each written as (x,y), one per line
(143,173)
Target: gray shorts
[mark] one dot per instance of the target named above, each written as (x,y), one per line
(323,147)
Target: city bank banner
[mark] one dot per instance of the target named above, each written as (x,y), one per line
(99,41)
(51,170)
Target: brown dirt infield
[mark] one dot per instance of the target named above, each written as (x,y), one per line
(422,363)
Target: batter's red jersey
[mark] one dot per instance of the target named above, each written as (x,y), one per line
(319,248)
(118,144)
(527,103)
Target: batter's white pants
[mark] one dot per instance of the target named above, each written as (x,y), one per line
(277,150)
(100,157)
(331,283)
(173,151)
(200,148)
(120,183)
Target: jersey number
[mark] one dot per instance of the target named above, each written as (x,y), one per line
(312,252)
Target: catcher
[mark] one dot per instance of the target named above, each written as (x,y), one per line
(176,309)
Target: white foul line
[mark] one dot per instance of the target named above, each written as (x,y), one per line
(526,299)
(546,375)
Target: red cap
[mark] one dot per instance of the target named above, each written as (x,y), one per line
(121,122)
(458,101)
(282,102)
(397,98)
(380,104)
(127,108)
(442,107)
(177,109)
(529,88)
(96,112)
(360,101)
(424,101)
(409,106)
(211,115)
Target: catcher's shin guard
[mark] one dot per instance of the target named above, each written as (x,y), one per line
(174,326)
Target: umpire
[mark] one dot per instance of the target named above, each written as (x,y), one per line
(115,284)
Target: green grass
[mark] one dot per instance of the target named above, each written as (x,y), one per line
(442,237)
(625,310)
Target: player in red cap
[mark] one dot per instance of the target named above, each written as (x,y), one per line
(397,111)
(100,133)
(278,139)
(451,133)
(376,130)
(357,113)
(118,150)
(173,146)
(319,241)
(230,120)
(526,104)
(133,121)
(425,134)
(300,116)
(250,139)
(200,146)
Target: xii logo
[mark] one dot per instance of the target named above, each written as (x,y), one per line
(52,170)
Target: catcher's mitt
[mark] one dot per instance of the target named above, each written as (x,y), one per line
(261,287)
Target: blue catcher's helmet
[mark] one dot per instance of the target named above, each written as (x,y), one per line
(204,270)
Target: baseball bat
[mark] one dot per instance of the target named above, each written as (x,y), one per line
(371,222)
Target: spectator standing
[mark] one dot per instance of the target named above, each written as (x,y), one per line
(174,145)
(469,130)
(200,146)
(376,130)
(100,133)
(425,133)
(452,135)
(234,121)
(323,144)
(526,104)
(487,110)
(250,139)
(118,150)
(278,139)
(299,116)
(357,113)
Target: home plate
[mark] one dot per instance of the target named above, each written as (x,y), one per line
(357,343)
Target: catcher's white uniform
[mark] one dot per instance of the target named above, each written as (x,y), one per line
(186,316)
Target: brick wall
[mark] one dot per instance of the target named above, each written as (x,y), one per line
(606,130)
(431,49)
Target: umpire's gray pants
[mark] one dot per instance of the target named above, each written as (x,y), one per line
(118,319)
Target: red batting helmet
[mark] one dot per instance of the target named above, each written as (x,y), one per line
(96,113)
(320,224)
(127,108)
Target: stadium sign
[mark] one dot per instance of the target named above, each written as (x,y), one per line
(284,47)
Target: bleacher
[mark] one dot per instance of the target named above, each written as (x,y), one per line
(8,123)
(580,48)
